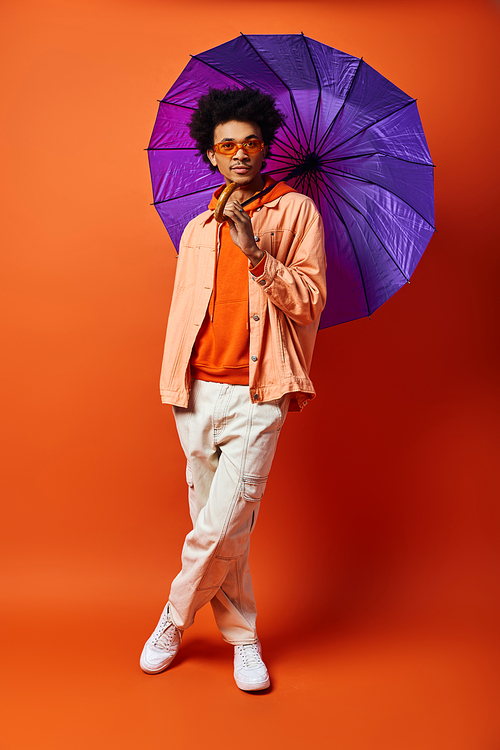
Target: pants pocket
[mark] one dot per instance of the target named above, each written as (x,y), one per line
(189,476)
(253,488)
(241,519)
(253,492)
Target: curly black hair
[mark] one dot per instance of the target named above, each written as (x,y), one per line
(223,105)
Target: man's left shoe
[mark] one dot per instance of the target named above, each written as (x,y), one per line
(250,672)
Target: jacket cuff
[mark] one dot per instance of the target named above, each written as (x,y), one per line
(258,270)
(268,271)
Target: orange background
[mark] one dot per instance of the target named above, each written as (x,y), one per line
(376,554)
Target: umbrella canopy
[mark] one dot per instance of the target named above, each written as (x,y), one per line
(352,141)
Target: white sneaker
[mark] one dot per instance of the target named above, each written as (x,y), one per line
(162,646)
(250,672)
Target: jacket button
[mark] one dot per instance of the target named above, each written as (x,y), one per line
(255,397)
(254,358)
(262,282)
(256,317)
(256,237)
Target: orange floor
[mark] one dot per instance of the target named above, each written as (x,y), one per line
(353,684)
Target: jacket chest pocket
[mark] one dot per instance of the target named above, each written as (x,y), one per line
(191,264)
(276,242)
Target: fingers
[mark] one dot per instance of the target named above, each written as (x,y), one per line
(240,226)
(236,212)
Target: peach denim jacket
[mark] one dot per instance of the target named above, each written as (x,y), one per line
(285,301)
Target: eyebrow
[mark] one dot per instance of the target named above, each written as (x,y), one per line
(244,139)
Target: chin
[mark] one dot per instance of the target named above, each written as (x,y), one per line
(243,179)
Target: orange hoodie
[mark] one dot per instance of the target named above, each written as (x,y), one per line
(220,352)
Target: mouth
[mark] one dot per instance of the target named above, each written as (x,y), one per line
(240,169)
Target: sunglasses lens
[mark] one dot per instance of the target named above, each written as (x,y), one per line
(227,148)
(252,147)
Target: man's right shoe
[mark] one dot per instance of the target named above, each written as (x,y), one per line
(162,646)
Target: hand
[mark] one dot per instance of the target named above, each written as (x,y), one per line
(240,227)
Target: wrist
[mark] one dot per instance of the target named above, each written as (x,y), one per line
(255,256)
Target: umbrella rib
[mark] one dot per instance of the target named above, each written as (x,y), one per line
(337,210)
(307,181)
(278,171)
(377,153)
(227,75)
(315,122)
(314,185)
(301,181)
(311,185)
(330,127)
(174,104)
(245,85)
(285,158)
(185,195)
(286,145)
(388,190)
(173,148)
(292,100)
(289,131)
(367,127)
(331,187)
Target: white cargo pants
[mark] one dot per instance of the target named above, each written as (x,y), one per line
(229,443)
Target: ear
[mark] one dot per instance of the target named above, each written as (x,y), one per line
(211,156)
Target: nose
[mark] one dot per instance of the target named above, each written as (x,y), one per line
(241,154)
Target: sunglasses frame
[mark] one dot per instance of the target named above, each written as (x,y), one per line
(216,147)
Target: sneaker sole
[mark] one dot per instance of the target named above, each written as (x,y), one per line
(253,686)
(155,670)
(147,670)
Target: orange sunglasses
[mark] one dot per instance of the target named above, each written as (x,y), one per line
(229,148)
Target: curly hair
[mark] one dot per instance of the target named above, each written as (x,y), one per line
(223,105)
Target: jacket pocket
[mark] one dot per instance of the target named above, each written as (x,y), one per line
(277,242)
(188,266)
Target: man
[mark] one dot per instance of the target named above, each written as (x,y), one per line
(245,311)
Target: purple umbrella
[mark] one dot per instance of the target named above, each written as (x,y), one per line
(352,141)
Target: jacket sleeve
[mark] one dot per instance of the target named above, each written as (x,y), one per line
(298,286)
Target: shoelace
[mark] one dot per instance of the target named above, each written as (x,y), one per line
(250,655)
(164,634)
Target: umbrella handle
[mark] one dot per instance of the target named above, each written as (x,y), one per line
(221,203)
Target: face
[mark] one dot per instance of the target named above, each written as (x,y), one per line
(242,168)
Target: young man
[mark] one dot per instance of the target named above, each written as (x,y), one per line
(243,321)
